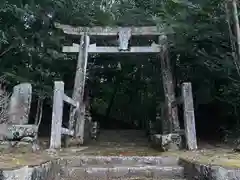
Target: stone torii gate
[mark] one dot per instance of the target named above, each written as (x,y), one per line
(124,34)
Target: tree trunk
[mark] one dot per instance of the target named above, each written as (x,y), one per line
(231,38)
(236,21)
(108,110)
(37,113)
(41,112)
(38,117)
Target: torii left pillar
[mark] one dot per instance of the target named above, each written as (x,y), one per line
(171,123)
(77,116)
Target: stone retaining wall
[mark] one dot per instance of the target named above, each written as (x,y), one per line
(198,171)
(52,170)
(47,171)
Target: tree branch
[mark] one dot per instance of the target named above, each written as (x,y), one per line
(7,50)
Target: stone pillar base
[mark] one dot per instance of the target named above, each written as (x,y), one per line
(167,142)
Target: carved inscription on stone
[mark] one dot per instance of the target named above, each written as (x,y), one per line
(124,36)
(20,104)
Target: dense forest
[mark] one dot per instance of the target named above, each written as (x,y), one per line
(204,48)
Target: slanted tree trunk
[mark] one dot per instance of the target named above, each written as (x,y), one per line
(41,111)
(231,38)
(38,111)
(236,22)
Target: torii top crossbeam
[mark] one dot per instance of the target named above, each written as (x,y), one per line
(109,31)
(124,34)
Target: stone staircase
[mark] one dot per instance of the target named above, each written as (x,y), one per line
(122,168)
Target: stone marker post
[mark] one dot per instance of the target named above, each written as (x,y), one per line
(189,118)
(57,113)
(20,104)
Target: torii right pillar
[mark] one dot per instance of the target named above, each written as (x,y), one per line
(170,123)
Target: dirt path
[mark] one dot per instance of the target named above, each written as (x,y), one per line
(134,143)
(120,142)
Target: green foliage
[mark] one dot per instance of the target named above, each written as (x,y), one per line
(30,50)
(29,46)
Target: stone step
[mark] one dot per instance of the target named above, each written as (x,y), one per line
(135,178)
(118,172)
(109,161)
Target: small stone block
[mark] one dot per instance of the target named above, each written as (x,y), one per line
(167,142)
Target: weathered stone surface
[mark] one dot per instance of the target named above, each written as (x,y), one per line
(116,167)
(18,135)
(124,36)
(17,145)
(134,178)
(195,170)
(94,130)
(125,171)
(3,131)
(19,132)
(22,173)
(84,161)
(168,142)
(189,117)
(125,167)
(47,171)
(20,104)
(16,129)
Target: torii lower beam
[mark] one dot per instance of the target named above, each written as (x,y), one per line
(154,48)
